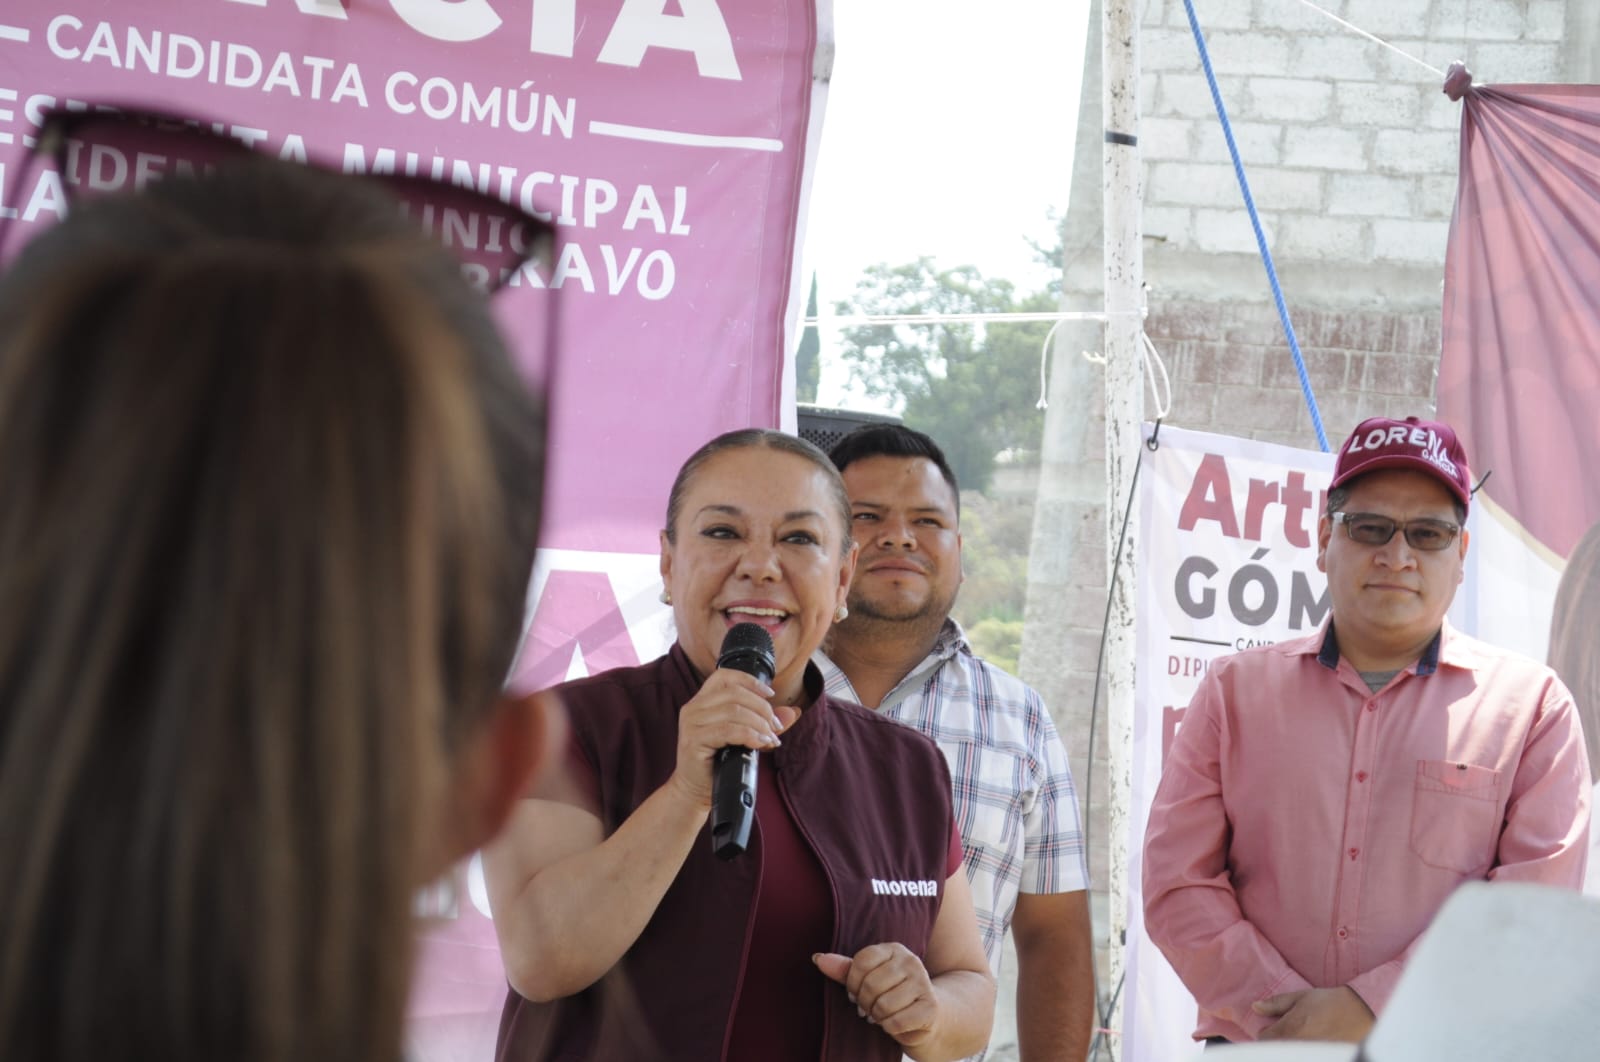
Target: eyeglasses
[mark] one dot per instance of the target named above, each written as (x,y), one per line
(1425,533)
(97,152)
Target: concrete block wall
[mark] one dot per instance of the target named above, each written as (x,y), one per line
(1350,148)
(1351,151)
(1239,379)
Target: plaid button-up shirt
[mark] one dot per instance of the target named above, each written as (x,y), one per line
(1013,793)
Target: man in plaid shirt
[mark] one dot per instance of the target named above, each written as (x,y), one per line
(899,652)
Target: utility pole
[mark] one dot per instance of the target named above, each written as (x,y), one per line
(1124,396)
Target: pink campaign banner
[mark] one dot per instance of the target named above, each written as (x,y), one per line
(1519,377)
(669,139)
(666,137)
(1520,371)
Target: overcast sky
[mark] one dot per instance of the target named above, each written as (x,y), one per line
(948,132)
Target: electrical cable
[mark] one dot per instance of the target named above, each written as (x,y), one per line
(1104,1032)
(1104,1008)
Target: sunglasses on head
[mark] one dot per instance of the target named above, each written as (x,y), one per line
(1371,529)
(100,152)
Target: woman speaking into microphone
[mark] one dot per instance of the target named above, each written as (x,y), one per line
(844,930)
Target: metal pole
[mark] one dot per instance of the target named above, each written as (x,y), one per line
(1124,396)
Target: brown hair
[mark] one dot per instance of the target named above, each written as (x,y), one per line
(894,440)
(1573,650)
(267,510)
(762,439)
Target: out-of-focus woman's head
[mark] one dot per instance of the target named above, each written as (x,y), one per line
(758,531)
(269,495)
(1574,648)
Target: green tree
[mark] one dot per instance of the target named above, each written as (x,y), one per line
(974,388)
(807,364)
(998,641)
(994,557)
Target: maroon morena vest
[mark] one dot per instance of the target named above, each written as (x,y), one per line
(870,796)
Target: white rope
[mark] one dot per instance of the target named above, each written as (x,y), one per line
(1376,40)
(1154,367)
(1044,361)
(1152,364)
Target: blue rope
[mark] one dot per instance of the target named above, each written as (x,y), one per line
(1255,223)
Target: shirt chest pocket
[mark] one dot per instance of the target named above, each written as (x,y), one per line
(994,793)
(1455,815)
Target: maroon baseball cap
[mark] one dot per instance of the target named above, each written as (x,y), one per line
(1423,445)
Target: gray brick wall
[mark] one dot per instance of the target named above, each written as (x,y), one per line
(1312,104)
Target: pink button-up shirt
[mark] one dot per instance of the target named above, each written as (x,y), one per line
(1306,829)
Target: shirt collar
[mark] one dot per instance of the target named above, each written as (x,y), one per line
(1427,664)
(808,738)
(950,641)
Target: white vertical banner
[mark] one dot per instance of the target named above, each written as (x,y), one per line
(1227,560)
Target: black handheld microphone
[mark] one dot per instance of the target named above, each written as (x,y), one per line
(748,648)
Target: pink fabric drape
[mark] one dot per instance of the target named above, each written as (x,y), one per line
(1519,374)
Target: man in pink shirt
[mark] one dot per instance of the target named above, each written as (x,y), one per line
(1325,795)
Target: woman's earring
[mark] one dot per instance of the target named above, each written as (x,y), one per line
(666,597)
(841,614)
